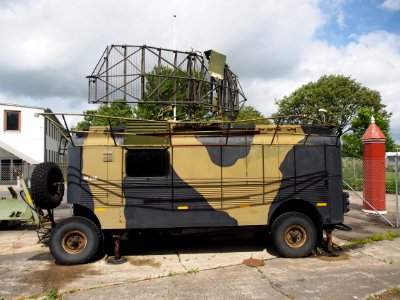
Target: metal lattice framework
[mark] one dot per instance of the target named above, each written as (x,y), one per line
(143,74)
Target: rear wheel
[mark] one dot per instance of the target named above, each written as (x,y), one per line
(75,240)
(294,234)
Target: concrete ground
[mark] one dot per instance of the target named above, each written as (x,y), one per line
(237,264)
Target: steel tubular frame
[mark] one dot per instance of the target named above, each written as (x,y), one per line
(123,73)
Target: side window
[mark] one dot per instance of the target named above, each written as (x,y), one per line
(147,163)
(12,120)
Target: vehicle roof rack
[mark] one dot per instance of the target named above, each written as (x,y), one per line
(140,128)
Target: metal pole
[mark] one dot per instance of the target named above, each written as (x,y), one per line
(125,70)
(107,77)
(396,158)
(175,49)
(174,32)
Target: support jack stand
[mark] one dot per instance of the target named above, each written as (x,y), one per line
(117,259)
(329,245)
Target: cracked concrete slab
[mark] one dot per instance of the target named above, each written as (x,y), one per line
(235,282)
(20,241)
(355,275)
(27,274)
(167,274)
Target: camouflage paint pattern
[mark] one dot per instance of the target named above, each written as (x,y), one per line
(214,178)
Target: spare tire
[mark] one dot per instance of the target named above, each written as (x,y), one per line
(47,185)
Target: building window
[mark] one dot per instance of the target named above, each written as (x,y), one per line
(12,120)
(147,163)
(5,169)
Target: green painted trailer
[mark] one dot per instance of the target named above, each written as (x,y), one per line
(18,209)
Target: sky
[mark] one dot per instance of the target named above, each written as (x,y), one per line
(274,46)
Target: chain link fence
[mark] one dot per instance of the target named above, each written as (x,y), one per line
(9,178)
(354,183)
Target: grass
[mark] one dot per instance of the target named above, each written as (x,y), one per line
(395,291)
(71,291)
(52,294)
(391,183)
(171,273)
(189,271)
(390,294)
(193,271)
(376,237)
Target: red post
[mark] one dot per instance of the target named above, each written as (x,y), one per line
(374,169)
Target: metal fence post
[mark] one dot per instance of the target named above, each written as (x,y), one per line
(396,159)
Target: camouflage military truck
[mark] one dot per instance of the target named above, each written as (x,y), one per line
(177,175)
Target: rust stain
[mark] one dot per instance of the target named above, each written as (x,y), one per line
(254,262)
(145,262)
(341,257)
(56,276)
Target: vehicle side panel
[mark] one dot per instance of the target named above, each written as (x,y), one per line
(213,180)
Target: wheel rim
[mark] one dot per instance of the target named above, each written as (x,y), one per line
(295,236)
(74,242)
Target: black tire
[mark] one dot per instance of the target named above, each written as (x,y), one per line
(75,240)
(47,185)
(294,235)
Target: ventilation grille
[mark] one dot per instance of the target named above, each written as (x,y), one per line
(107,156)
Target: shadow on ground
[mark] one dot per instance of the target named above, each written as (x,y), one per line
(193,241)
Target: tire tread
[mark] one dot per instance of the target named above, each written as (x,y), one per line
(281,246)
(68,259)
(39,191)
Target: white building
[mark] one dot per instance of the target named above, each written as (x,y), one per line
(391,156)
(27,139)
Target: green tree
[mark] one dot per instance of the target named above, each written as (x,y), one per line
(352,144)
(167,86)
(118,108)
(339,95)
(251,113)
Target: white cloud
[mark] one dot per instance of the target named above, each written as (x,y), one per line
(391,5)
(373,60)
(50,46)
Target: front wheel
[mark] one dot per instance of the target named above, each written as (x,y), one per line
(75,240)
(294,234)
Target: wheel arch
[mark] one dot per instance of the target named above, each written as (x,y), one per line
(83,211)
(301,206)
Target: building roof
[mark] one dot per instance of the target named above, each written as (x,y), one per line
(373,133)
(26,106)
(18,153)
(45,109)
(392,154)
